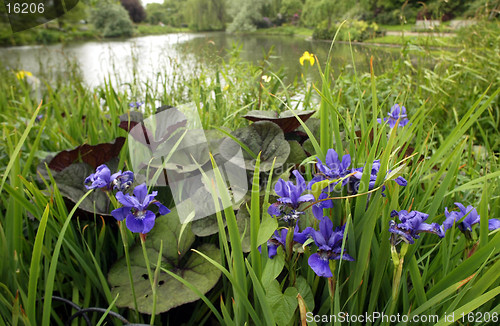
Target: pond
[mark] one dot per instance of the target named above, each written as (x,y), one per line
(145,57)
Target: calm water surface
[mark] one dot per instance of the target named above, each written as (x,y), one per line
(147,57)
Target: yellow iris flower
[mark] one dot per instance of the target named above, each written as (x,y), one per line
(21,74)
(307,57)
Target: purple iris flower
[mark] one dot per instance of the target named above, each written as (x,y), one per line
(102,178)
(279,239)
(332,169)
(136,104)
(493,224)
(329,243)
(412,223)
(395,114)
(317,209)
(454,217)
(290,196)
(123,181)
(471,218)
(134,210)
(356,178)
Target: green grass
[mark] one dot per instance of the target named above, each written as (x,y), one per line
(42,35)
(51,35)
(397,28)
(47,247)
(286,30)
(147,29)
(424,40)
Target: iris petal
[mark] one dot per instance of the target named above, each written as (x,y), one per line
(162,209)
(140,192)
(493,224)
(148,221)
(320,266)
(304,198)
(134,224)
(121,213)
(272,250)
(127,200)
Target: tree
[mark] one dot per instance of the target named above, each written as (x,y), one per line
(206,15)
(245,14)
(156,13)
(170,12)
(290,7)
(112,19)
(75,15)
(135,10)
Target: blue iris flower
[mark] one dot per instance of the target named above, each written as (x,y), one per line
(317,209)
(102,178)
(454,217)
(471,218)
(493,224)
(123,181)
(290,196)
(395,114)
(412,223)
(356,178)
(329,243)
(134,210)
(136,104)
(279,239)
(332,169)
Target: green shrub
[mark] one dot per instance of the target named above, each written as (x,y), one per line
(112,19)
(356,30)
(290,8)
(47,36)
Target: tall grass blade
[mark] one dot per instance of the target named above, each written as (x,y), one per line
(49,283)
(35,267)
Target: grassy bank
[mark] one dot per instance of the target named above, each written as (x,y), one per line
(286,30)
(42,35)
(55,244)
(420,40)
(423,40)
(147,29)
(52,35)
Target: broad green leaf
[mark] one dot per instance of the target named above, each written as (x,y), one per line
(265,137)
(273,268)
(313,125)
(267,228)
(171,293)
(306,292)
(297,154)
(205,226)
(167,228)
(286,120)
(284,304)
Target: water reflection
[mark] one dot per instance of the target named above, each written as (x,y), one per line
(142,58)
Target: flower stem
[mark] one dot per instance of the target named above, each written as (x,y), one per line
(150,276)
(127,259)
(155,281)
(398,270)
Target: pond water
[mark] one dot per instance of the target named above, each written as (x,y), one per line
(145,57)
